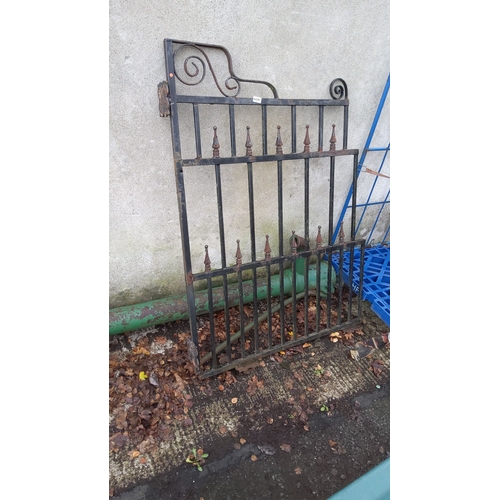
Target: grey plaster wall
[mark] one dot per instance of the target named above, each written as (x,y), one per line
(298,46)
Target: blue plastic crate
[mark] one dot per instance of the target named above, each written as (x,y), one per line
(376,277)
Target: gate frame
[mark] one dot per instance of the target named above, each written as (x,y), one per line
(300,251)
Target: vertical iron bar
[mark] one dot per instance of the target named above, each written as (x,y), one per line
(223,258)
(306,202)
(267,253)
(320,128)
(212,326)
(351,281)
(242,318)
(294,287)
(361,276)
(232,129)
(280,242)
(306,297)
(294,128)
(251,209)
(264,129)
(354,195)
(318,291)
(346,118)
(329,289)
(197,134)
(331,199)
(340,283)
(181,197)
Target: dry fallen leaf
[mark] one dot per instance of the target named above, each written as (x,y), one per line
(332,443)
(243,441)
(234,401)
(253,458)
(134,454)
(298,470)
(306,345)
(269,420)
(142,460)
(286,447)
(221,387)
(222,429)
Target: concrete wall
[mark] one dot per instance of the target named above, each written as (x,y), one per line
(298,46)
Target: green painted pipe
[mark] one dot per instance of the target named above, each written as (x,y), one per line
(129,318)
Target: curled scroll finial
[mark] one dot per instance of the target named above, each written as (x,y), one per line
(338,89)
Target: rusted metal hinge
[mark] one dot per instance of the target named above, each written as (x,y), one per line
(164,101)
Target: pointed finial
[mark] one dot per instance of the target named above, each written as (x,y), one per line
(294,244)
(319,240)
(341,233)
(307,141)
(333,139)
(215,144)
(267,249)
(238,254)
(248,144)
(207,260)
(279,142)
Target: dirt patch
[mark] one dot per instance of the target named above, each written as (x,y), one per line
(301,427)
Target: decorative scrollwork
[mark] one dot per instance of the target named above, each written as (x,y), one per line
(338,89)
(195,70)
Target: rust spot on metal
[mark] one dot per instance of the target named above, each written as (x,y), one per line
(215,144)
(189,278)
(164,105)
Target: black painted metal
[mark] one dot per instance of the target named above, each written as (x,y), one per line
(222,348)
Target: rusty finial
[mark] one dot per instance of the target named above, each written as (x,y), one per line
(238,254)
(319,240)
(333,139)
(307,141)
(294,244)
(207,260)
(341,233)
(248,144)
(215,144)
(279,142)
(267,249)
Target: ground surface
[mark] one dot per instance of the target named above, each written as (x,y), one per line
(297,426)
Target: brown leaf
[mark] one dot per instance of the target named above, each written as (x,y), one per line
(221,387)
(253,458)
(286,447)
(142,460)
(298,470)
(223,429)
(234,401)
(134,454)
(243,441)
(377,367)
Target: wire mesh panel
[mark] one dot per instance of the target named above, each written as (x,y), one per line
(257,281)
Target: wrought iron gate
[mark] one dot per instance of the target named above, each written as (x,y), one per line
(251,304)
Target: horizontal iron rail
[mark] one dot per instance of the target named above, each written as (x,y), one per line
(262,158)
(249,101)
(279,347)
